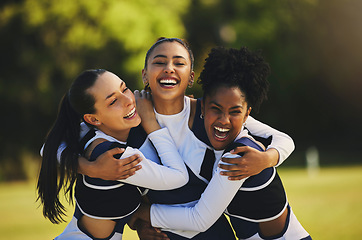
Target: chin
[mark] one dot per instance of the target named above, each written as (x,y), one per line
(218,145)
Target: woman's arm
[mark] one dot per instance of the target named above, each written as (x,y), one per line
(253,161)
(107,167)
(280,141)
(213,202)
(171,174)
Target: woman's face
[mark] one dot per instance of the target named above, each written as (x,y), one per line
(168,71)
(224,111)
(115,105)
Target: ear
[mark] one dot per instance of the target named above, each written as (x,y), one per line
(247,113)
(144,77)
(91,119)
(192,77)
(202,107)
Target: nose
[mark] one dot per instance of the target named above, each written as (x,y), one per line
(169,68)
(127,99)
(224,118)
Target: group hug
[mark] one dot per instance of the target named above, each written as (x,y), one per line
(169,165)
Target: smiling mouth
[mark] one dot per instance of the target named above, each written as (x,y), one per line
(221,133)
(131,114)
(168,82)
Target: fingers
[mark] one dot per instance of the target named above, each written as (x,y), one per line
(147,232)
(234,175)
(128,166)
(131,160)
(229,167)
(237,178)
(241,149)
(115,151)
(146,94)
(142,94)
(137,93)
(235,161)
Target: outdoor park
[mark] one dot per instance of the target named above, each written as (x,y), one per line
(314,50)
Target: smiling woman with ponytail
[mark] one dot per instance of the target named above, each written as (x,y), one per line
(97,115)
(55,176)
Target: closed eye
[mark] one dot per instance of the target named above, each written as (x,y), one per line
(113,102)
(215,109)
(235,112)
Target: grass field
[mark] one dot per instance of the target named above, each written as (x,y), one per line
(328,205)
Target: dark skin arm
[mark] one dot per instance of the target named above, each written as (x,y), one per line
(141,222)
(142,213)
(252,163)
(146,232)
(109,168)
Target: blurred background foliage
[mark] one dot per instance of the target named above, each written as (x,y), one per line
(314,48)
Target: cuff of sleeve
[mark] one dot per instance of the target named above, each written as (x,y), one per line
(281,157)
(158,133)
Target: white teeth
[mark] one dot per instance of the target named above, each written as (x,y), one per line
(222,129)
(222,137)
(131,113)
(168,81)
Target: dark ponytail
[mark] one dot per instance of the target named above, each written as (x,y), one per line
(54,175)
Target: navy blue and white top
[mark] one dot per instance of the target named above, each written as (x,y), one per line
(259,198)
(103,199)
(199,158)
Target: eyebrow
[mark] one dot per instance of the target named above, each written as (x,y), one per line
(110,95)
(164,56)
(234,107)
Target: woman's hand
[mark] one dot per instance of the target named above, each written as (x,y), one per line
(250,164)
(146,232)
(109,168)
(142,213)
(144,108)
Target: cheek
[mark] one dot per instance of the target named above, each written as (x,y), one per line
(209,119)
(237,123)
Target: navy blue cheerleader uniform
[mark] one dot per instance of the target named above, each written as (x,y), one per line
(249,201)
(117,200)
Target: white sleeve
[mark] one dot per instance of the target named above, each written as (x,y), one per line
(172,174)
(213,202)
(280,141)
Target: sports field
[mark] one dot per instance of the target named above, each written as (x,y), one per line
(327,204)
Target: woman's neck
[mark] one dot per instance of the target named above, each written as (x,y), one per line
(169,107)
(119,135)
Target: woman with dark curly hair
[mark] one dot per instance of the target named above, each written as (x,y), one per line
(234,82)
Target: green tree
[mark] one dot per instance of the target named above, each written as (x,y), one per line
(45,44)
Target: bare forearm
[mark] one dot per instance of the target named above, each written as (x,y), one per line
(85,167)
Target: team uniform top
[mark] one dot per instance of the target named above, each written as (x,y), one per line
(194,148)
(117,200)
(248,201)
(199,159)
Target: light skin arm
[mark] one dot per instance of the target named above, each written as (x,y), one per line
(145,110)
